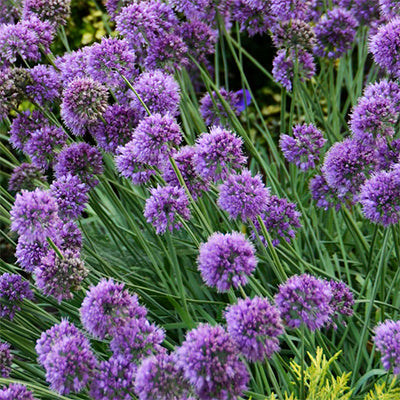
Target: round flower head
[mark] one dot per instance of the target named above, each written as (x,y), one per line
(293,33)
(324,196)
(289,9)
(55,11)
(163,207)
(342,299)
(217,153)
(9,91)
(158,377)
(73,65)
(389,8)
(385,46)
(29,254)
(303,148)
(254,325)
(283,67)
(13,290)
(26,176)
(155,138)
(159,91)
(226,260)
(107,307)
(82,160)
(384,88)
(84,102)
(45,86)
(9,12)
(387,340)
(281,219)
(15,391)
(243,195)
(209,360)
(304,299)
(5,360)
(34,215)
(69,236)
(380,197)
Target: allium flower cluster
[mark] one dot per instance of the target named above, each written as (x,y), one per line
(292,34)
(243,195)
(226,260)
(26,176)
(5,360)
(289,9)
(29,254)
(9,91)
(15,391)
(304,147)
(217,153)
(45,86)
(164,206)
(387,340)
(389,8)
(73,65)
(324,196)
(342,299)
(55,11)
(254,325)
(13,290)
(107,307)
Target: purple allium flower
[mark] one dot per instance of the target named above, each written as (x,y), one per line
(84,102)
(209,360)
(82,160)
(386,89)
(58,277)
(8,91)
(159,91)
(254,325)
(242,195)
(281,219)
(15,391)
(69,236)
(42,143)
(43,30)
(107,307)
(325,196)
(136,340)
(114,7)
(34,214)
(13,290)
(185,161)
(5,360)
(387,153)
(213,111)
(114,379)
(342,299)
(304,299)
(129,167)
(45,86)
(29,254)
(226,260)
(108,60)
(387,340)
(26,176)
(217,153)
(303,149)
(163,207)
(289,9)
(158,377)
(385,46)
(55,11)
(71,196)
(283,67)
(380,197)
(389,8)
(73,65)
(293,33)
(10,11)
(366,12)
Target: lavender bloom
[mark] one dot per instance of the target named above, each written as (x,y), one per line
(387,153)
(303,149)
(242,195)
(304,299)
(217,153)
(384,88)
(380,197)
(390,9)
(209,360)
(55,11)
(163,207)
(15,391)
(226,260)
(58,277)
(34,215)
(26,176)
(289,9)
(13,290)
(69,236)
(9,12)
(8,91)
(387,339)
(5,360)
(385,46)
(283,67)
(107,307)
(281,219)
(73,65)
(185,161)
(82,160)
(114,7)
(366,12)
(84,101)
(29,254)
(342,299)
(45,86)
(254,325)
(158,377)
(325,196)
(292,34)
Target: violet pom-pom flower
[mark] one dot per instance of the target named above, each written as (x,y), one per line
(243,195)
(29,254)
(304,299)
(163,207)
(34,214)
(325,196)
(15,391)
(84,102)
(55,11)
(304,147)
(13,290)
(387,340)
(73,65)
(289,9)
(107,307)
(342,299)
(45,86)
(217,153)
(254,325)
(389,8)
(209,360)
(294,33)
(5,360)
(26,176)
(226,260)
